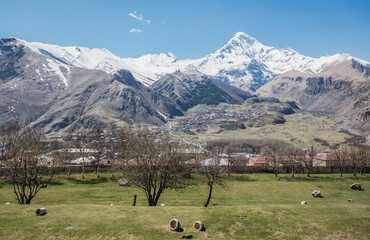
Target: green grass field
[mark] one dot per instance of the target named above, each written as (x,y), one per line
(271,206)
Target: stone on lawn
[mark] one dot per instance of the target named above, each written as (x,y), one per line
(303,202)
(316,193)
(7,203)
(41,212)
(356,186)
(123,182)
(187,236)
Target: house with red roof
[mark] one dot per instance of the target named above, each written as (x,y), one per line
(331,160)
(259,161)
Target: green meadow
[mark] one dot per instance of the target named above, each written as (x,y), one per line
(82,209)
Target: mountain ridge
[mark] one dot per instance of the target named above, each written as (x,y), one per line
(242,61)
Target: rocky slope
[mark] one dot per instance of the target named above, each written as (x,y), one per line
(104,98)
(342,89)
(192,88)
(40,90)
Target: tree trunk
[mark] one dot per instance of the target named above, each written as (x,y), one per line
(97,171)
(69,170)
(308,173)
(152,203)
(83,169)
(354,172)
(341,172)
(293,172)
(209,195)
(275,172)
(112,168)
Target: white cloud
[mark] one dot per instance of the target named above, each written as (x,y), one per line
(135,30)
(163,22)
(139,17)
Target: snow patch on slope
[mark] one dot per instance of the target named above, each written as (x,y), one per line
(54,67)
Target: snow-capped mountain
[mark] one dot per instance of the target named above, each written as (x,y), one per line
(249,64)
(243,61)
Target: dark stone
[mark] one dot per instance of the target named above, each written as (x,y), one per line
(187,236)
(356,186)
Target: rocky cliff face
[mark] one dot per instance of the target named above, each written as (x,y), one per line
(103,98)
(343,89)
(192,88)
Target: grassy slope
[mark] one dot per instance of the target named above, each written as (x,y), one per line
(300,128)
(271,206)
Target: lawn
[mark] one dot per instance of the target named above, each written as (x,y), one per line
(271,206)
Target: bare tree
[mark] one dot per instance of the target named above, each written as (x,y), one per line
(307,161)
(364,152)
(215,174)
(26,175)
(111,148)
(275,150)
(294,156)
(153,165)
(97,145)
(68,157)
(342,158)
(359,158)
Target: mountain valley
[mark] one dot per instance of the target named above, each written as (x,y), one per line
(64,89)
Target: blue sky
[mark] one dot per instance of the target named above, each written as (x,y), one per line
(191,29)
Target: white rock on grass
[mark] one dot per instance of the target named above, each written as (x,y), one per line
(303,202)
(7,203)
(316,193)
(162,204)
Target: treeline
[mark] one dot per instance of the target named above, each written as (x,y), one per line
(250,145)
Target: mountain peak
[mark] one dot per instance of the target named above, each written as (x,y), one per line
(6,40)
(244,38)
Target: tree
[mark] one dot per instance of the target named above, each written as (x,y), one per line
(26,175)
(9,136)
(80,143)
(153,165)
(342,158)
(215,174)
(111,148)
(274,151)
(97,145)
(294,156)
(359,158)
(307,161)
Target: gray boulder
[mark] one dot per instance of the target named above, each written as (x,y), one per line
(123,182)
(356,186)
